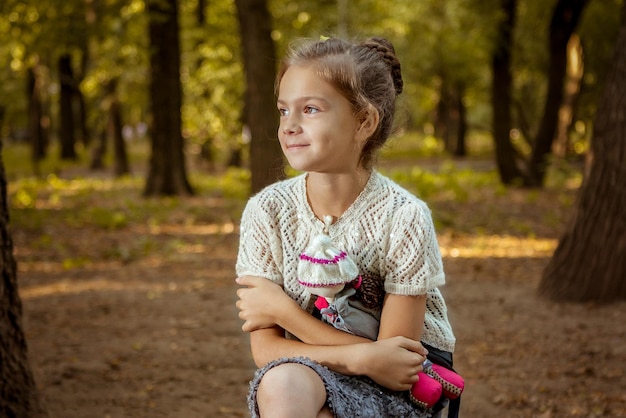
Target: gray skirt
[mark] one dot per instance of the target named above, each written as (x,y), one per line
(348,396)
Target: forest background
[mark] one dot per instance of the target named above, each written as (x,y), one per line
(128,301)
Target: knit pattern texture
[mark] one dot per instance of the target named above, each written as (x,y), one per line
(387,231)
(347,396)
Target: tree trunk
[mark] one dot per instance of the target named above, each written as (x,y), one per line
(81,103)
(565,18)
(67,134)
(99,151)
(114,129)
(590,260)
(442,111)
(18,392)
(266,162)
(506,160)
(460,148)
(35,116)
(167,174)
(574,76)
(450,123)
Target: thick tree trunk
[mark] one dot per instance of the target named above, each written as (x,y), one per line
(506,160)
(590,260)
(565,18)
(18,392)
(259,57)
(67,129)
(167,174)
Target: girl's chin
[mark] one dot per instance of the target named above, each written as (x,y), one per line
(298,165)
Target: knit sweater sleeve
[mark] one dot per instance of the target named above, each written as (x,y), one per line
(413,264)
(259,246)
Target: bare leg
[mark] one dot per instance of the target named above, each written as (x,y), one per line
(292,390)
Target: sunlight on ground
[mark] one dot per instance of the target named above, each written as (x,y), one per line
(496,246)
(73,286)
(470,246)
(211,229)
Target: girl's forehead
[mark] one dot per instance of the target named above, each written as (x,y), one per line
(302,71)
(303,79)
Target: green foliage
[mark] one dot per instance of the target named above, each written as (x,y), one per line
(598,32)
(106,218)
(446,181)
(440,44)
(212,76)
(233,184)
(114,203)
(412,145)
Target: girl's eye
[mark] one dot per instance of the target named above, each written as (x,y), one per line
(311,109)
(283,112)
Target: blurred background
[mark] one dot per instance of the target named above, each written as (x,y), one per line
(133,132)
(75,76)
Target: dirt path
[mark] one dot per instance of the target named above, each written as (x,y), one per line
(158,335)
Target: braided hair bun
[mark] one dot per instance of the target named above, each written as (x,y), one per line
(385,49)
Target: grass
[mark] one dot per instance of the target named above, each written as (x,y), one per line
(70,202)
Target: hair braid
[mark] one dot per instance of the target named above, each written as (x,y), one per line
(385,49)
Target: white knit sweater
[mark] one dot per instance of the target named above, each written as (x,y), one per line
(387,231)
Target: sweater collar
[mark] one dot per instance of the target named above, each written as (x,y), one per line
(346,218)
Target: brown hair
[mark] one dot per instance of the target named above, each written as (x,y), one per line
(366,74)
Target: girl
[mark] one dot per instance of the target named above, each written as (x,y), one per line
(336,101)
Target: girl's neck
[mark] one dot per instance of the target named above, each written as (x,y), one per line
(333,194)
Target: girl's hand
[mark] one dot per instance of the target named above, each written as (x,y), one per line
(392,362)
(261,303)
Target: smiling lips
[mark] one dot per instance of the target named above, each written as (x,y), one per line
(295,146)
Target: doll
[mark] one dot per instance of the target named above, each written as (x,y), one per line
(333,277)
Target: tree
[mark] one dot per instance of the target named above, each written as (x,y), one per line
(67,128)
(511,166)
(590,261)
(114,130)
(18,392)
(565,18)
(259,57)
(37,131)
(506,158)
(167,174)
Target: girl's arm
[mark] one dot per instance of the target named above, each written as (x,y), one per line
(264,304)
(393,362)
(402,315)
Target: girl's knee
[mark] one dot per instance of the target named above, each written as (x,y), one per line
(294,389)
(291,379)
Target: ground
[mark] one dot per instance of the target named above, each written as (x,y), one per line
(157,334)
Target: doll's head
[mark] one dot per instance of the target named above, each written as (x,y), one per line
(325,270)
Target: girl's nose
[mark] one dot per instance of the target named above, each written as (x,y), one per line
(290,126)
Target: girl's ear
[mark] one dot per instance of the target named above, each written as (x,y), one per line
(368,119)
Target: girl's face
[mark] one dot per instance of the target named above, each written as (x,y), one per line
(318,130)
